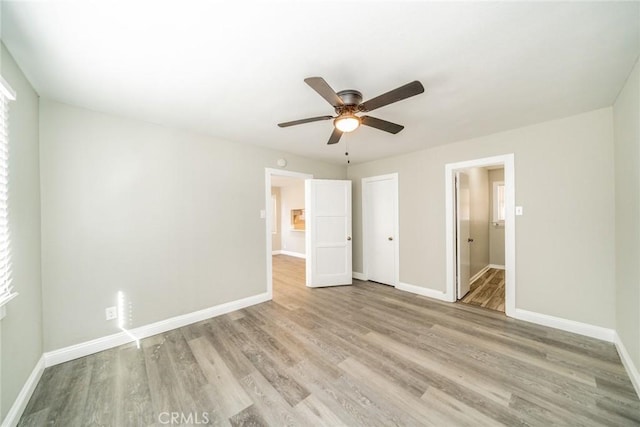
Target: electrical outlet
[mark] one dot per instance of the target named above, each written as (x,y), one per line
(111,313)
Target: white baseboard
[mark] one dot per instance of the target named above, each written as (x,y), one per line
(293,254)
(627,362)
(586,329)
(479,274)
(498,266)
(19,405)
(359,276)
(94,346)
(426,292)
(278,252)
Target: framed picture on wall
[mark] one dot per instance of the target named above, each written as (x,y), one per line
(297,219)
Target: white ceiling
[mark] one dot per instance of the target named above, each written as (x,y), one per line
(235,69)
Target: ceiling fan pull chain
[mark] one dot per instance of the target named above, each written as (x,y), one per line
(346,153)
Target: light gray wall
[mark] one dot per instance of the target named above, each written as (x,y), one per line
(276,238)
(565,240)
(496,232)
(292,198)
(626,112)
(21,334)
(479,218)
(171,218)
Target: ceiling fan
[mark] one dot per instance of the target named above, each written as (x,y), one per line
(347,103)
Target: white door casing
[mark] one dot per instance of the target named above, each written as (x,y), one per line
(380,228)
(463,219)
(328,232)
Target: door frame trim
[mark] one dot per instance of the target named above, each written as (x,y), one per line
(268,173)
(396,226)
(456,229)
(507,161)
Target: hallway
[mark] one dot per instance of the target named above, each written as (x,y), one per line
(487,291)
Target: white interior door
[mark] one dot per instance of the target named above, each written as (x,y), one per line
(463,250)
(328,232)
(380,235)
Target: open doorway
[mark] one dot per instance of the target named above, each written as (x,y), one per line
(480,215)
(480,224)
(285,219)
(288,251)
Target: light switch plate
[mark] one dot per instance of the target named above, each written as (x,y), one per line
(263,214)
(111,313)
(518,210)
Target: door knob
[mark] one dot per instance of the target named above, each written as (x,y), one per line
(348,237)
(470,240)
(389,238)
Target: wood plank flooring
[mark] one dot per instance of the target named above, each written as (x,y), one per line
(487,291)
(363,355)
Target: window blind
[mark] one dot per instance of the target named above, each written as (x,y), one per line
(7,292)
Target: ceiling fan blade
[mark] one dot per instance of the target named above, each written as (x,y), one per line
(381,124)
(309,120)
(403,92)
(319,85)
(335,136)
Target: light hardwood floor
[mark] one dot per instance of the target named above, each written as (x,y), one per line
(363,355)
(487,291)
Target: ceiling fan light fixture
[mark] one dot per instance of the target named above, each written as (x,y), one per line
(347,123)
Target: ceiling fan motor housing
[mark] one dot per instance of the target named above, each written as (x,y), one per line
(350,97)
